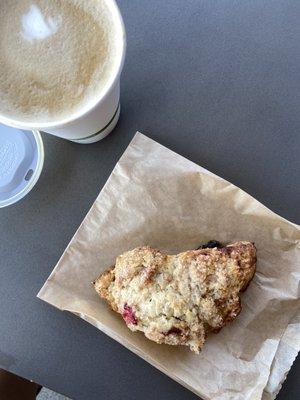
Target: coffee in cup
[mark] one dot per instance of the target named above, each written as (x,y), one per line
(58,59)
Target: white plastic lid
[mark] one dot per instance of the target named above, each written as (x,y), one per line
(21,163)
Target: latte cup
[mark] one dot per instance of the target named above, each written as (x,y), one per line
(95,124)
(91,123)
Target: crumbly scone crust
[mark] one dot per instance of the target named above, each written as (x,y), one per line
(178,299)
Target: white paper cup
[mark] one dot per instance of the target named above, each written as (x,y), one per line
(95,121)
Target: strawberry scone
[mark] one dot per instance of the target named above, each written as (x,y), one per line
(179,299)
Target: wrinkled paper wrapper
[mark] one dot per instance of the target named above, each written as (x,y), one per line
(156,197)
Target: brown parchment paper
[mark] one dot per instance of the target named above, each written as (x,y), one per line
(156,197)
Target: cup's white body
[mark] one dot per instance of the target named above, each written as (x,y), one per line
(92,124)
(95,124)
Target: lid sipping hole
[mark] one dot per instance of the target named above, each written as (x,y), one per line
(28,175)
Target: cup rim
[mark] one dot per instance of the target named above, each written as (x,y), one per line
(116,15)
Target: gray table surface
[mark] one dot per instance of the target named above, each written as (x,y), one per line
(216,81)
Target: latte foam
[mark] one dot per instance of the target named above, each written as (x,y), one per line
(56,56)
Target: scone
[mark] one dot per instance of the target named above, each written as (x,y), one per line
(178,299)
